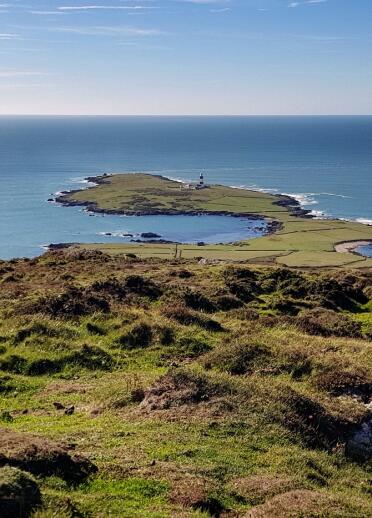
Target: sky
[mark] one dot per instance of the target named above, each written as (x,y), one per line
(191,57)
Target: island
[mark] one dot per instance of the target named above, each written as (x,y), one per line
(294,238)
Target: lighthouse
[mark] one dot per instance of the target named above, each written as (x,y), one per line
(201,180)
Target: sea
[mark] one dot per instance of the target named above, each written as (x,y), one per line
(325,162)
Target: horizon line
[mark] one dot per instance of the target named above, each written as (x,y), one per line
(195,115)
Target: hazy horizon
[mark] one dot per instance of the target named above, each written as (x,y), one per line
(186,58)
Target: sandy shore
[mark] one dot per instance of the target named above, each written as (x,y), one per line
(350,246)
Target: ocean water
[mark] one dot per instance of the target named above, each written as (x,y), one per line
(365,250)
(326,162)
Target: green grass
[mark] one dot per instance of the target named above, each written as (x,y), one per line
(166,462)
(301,242)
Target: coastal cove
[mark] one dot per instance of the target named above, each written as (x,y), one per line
(294,237)
(324,162)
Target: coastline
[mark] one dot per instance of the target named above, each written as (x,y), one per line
(289,202)
(349,247)
(293,236)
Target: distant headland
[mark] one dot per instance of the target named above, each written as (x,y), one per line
(292,237)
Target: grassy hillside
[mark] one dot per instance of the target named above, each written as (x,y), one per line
(152,388)
(300,241)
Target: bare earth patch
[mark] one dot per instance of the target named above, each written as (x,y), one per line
(300,503)
(42,457)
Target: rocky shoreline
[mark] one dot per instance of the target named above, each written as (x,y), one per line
(291,204)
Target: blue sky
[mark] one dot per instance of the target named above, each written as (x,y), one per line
(186,57)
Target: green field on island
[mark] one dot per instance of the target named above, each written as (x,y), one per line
(299,242)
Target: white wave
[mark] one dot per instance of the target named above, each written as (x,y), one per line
(332,194)
(178,180)
(121,233)
(303,198)
(365,221)
(254,188)
(83,181)
(319,214)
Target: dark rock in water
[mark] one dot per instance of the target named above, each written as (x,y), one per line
(50,199)
(60,246)
(19,493)
(126,235)
(149,235)
(108,234)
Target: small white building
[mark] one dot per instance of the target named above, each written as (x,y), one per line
(195,186)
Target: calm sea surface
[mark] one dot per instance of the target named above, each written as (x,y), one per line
(325,161)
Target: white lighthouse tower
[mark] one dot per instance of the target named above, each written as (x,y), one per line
(201,180)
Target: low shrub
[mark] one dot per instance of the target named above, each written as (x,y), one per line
(44,366)
(111,287)
(94,329)
(6,384)
(196,300)
(242,283)
(228,302)
(140,336)
(41,329)
(339,382)
(193,347)
(13,363)
(288,282)
(166,335)
(74,302)
(282,304)
(19,493)
(238,359)
(182,274)
(88,357)
(343,291)
(142,286)
(183,387)
(187,317)
(42,457)
(325,322)
(312,422)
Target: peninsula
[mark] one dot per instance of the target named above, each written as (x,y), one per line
(295,239)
